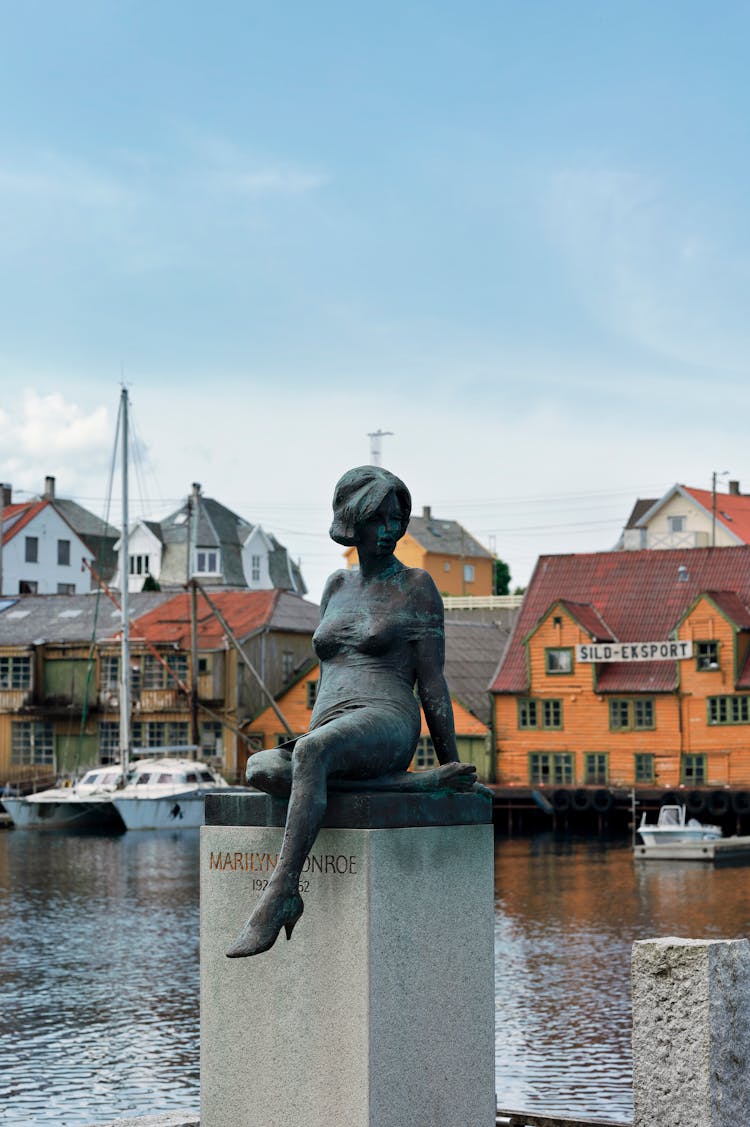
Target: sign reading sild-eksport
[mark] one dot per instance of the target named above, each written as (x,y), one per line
(634,651)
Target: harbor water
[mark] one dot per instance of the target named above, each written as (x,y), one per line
(99,969)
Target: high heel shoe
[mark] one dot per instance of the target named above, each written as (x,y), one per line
(258,935)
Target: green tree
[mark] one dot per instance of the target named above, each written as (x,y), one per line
(502,578)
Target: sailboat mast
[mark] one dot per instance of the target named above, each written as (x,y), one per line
(125,581)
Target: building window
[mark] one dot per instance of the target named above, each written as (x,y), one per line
(15,672)
(311,689)
(728,710)
(160,733)
(626,715)
(255,569)
(27,586)
(468,573)
(211,737)
(558,660)
(676,524)
(447,565)
(32,549)
(707,656)
(694,770)
(539,713)
(63,553)
(156,676)
(66,588)
(596,768)
(424,756)
(109,741)
(204,666)
(139,565)
(644,767)
(553,769)
(32,743)
(207,562)
(287,664)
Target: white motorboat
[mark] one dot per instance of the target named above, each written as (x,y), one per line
(673,825)
(166,794)
(84,805)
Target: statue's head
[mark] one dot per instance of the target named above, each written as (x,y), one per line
(358,496)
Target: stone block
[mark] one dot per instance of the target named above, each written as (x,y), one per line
(380,1011)
(691,1033)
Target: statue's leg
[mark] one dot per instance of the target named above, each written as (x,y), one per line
(450,776)
(271,771)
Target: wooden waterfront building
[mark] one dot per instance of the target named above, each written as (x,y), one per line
(59,676)
(630,669)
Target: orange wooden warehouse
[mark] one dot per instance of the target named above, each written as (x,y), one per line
(629,669)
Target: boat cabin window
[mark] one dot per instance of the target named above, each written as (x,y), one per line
(165,777)
(206,777)
(191,777)
(145,777)
(110,778)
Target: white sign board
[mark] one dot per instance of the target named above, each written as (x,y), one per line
(634,651)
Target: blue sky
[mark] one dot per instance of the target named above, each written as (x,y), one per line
(514,234)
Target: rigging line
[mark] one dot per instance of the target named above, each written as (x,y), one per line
(97,600)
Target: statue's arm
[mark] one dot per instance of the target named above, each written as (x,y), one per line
(430,654)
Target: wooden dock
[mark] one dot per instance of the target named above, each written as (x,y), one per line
(722,851)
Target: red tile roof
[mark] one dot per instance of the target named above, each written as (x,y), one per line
(589,618)
(22,514)
(640,595)
(244,611)
(732,509)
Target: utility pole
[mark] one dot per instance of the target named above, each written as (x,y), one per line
(375,448)
(714,476)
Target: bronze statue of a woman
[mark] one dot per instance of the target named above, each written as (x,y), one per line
(380,634)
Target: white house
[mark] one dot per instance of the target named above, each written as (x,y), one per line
(206,540)
(41,553)
(689,518)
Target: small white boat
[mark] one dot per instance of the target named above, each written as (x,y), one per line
(83,805)
(672,826)
(166,794)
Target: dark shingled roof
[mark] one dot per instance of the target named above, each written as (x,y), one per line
(641,596)
(447,537)
(472,651)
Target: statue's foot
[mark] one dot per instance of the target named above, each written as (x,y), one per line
(262,929)
(448,776)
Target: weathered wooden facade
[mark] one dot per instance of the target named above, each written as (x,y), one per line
(673,714)
(60,670)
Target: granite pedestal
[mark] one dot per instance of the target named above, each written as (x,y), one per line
(691,1033)
(380,1011)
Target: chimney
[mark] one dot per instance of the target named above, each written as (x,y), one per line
(7,494)
(196,489)
(734,488)
(427,512)
(49,488)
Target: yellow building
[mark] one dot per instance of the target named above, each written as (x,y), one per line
(457,562)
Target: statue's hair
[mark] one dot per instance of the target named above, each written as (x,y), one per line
(359,494)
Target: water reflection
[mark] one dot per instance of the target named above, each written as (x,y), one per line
(99,969)
(99,975)
(567,914)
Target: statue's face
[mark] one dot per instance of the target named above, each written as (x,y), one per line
(379,533)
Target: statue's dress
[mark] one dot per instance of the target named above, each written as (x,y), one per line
(367,676)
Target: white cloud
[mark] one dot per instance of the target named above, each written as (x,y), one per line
(653,265)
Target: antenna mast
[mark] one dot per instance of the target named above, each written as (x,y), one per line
(375,447)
